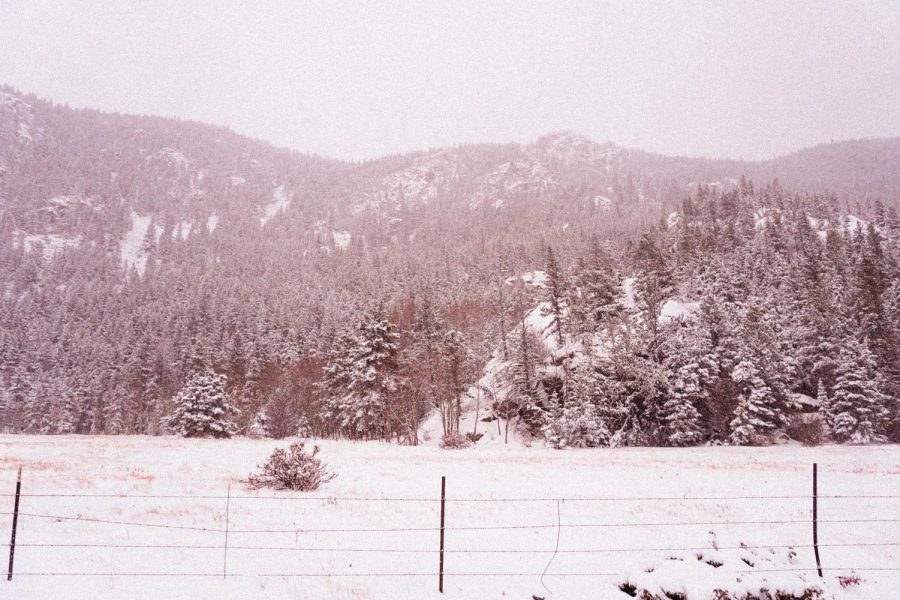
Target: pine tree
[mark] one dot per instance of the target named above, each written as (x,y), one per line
(822,398)
(578,420)
(37,414)
(758,412)
(523,395)
(857,410)
(259,426)
(555,295)
(654,283)
(360,378)
(63,409)
(682,422)
(202,408)
(642,389)
(598,297)
(115,411)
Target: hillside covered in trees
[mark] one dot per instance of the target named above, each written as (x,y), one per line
(588,294)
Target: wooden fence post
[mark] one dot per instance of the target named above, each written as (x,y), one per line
(441,565)
(15,522)
(816,517)
(227,519)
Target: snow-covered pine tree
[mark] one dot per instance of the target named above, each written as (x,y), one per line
(762,375)
(334,386)
(597,299)
(682,422)
(653,283)
(822,398)
(692,367)
(202,408)
(37,413)
(555,295)
(523,395)
(115,413)
(360,377)
(758,412)
(63,409)
(259,426)
(857,411)
(304,429)
(642,387)
(578,422)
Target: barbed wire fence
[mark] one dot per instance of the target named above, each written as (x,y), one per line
(24,503)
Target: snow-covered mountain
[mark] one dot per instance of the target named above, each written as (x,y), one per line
(137,249)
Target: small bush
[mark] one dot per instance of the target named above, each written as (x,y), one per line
(806,429)
(849,580)
(455,440)
(292,469)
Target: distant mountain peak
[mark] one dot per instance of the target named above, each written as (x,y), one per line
(573,147)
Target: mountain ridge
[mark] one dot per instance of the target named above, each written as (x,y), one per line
(138,250)
(569,133)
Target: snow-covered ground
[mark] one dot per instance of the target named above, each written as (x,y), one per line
(280,201)
(49,244)
(133,253)
(676,506)
(341,239)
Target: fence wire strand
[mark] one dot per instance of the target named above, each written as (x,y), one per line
(456,500)
(452,551)
(299,530)
(558,526)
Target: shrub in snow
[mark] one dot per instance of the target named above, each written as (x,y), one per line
(806,429)
(455,440)
(202,409)
(292,469)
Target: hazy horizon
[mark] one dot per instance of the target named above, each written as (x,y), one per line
(724,81)
(454,144)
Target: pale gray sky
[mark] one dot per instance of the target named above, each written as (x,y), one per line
(361,79)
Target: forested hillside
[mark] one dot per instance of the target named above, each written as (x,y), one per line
(689,299)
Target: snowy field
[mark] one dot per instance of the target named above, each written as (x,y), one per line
(677,523)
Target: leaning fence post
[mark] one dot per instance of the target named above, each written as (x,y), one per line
(441,565)
(15,522)
(815,518)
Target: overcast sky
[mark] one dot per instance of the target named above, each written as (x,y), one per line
(359,80)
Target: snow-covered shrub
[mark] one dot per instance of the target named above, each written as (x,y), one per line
(806,429)
(455,441)
(202,408)
(292,469)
